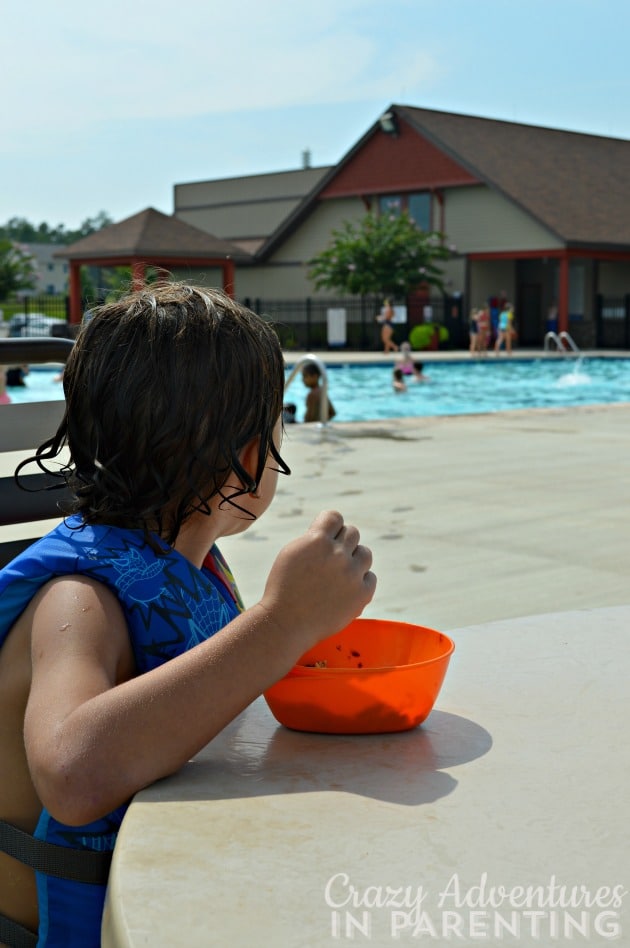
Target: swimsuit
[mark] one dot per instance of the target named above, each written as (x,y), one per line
(170,606)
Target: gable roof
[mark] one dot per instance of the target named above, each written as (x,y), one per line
(151,235)
(574,184)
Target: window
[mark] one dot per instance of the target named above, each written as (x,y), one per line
(390,204)
(419,207)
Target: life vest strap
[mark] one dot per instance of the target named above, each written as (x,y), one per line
(77,865)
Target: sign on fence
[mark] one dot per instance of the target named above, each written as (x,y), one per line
(336,323)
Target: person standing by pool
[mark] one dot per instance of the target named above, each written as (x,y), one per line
(386,317)
(473,331)
(483,330)
(504,334)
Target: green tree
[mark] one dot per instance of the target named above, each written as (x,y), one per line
(17,269)
(22,230)
(89,226)
(385,254)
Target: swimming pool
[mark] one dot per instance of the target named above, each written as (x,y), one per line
(364,392)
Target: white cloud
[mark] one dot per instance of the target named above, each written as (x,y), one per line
(122,60)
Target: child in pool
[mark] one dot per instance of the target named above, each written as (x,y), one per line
(398,380)
(312,377)
(111,674)
(407,365)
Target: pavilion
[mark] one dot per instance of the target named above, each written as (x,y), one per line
(149,239)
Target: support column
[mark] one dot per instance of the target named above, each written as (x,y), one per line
(138,268)
(563,294)
(74,291)
(228,277)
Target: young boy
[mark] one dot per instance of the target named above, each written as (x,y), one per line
(311,376)
(111,674)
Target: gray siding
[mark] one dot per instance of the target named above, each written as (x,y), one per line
(293,184)
(233,221)
(480,220)
(314,234)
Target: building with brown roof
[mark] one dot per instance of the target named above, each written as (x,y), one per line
(538,215)
(152,239)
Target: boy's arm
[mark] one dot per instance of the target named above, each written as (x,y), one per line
(93,739)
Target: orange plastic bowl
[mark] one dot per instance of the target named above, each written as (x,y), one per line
(374,676)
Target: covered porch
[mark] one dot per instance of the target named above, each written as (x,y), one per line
(551,290)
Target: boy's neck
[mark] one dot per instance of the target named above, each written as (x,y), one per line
(197,536)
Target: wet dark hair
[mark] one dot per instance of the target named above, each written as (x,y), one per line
(311,368)
(164,388)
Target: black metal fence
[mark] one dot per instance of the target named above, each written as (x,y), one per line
(299,323)
(47,304)
(29,316)
(307,323)
(304,323)
(612,322)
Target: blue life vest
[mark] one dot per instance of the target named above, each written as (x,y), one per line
(170,606)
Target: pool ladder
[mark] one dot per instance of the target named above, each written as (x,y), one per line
(560,339)
(323,402)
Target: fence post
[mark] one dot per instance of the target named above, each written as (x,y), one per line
(627,321)
(364,341)
(308,322)
(599,321)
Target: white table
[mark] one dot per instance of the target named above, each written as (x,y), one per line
(518,778)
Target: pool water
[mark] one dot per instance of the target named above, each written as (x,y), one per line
(39,386)
(364,392)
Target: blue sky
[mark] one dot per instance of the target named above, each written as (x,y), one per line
(107,105)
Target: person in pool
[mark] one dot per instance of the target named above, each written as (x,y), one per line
(408,366)
(312,377)
(398,380)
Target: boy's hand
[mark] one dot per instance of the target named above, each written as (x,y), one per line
(320,581)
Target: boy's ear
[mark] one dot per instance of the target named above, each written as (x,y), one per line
(249,456)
